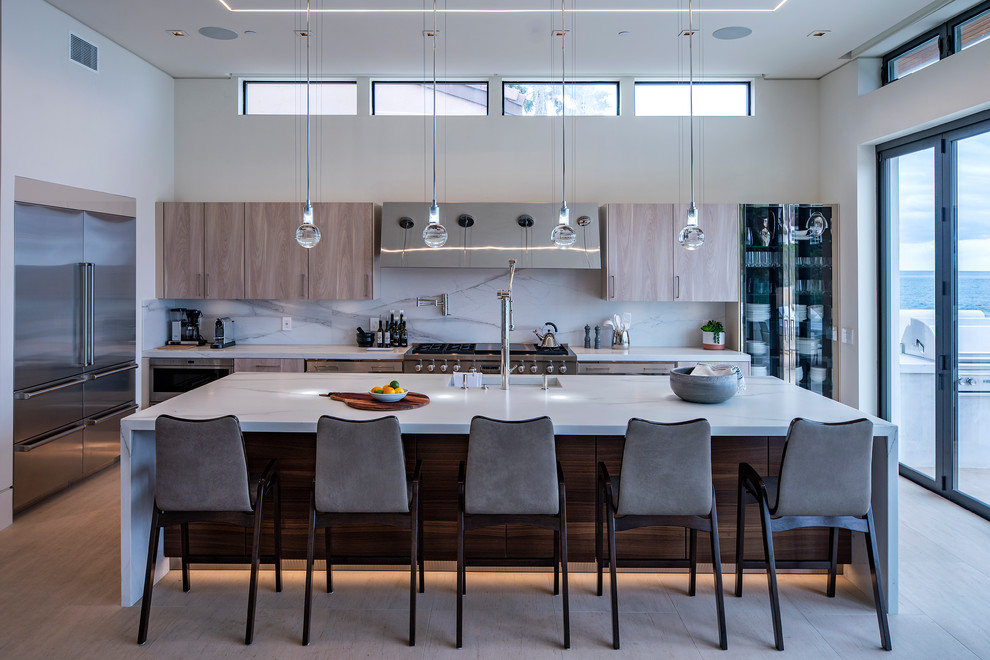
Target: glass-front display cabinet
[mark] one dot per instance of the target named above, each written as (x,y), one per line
(787,292)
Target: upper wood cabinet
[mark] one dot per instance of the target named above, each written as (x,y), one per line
(342,265)
(644,262)
(710,273)
(277,268)
(203,250)
(638,244)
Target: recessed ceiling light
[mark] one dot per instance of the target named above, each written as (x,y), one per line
(176,33)
(732,32)
(624,33)
(819,33)
(687,33)
(218,33)
(249,32)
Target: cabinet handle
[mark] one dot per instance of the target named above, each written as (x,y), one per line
(677,283)
(199,284)
(31,446)
(206,289)
(367,291)
(611,286)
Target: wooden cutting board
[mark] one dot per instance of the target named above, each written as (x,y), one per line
(364,401)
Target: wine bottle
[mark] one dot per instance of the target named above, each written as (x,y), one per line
(403,339)
(381,334)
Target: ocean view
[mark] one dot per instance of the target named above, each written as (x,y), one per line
(918,290)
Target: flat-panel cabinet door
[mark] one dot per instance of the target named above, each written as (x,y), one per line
(341,267)
(276,267)
(183,236)
(710,273)
(224,250)
(639,241)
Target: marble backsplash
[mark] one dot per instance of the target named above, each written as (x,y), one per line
(569,298)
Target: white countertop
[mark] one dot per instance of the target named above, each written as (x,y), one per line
(581,405)
(350,352)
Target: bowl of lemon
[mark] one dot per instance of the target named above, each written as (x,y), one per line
(388,393)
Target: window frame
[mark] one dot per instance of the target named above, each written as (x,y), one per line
(290,81)
(943,50)
(747,83)
(486,82)
(615,83)
(959,19)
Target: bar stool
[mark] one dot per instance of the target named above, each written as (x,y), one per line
(824,481)
(361,478)
(512,477)
(665,480)
(202,476)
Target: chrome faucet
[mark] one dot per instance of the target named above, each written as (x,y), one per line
(505,297)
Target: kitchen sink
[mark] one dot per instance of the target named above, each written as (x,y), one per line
(527,381)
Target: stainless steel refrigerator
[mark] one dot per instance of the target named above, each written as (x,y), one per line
(74,344)
(788,292)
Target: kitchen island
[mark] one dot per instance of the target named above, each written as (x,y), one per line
(278,413)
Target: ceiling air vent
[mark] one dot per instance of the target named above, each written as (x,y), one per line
(83,52)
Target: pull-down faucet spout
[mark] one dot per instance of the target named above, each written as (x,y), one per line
(505,298)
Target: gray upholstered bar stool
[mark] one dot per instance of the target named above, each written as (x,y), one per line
(665,480)
(201,475)
(361,478)
(512,477)
(824,481)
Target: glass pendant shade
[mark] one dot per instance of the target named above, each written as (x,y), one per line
(435,234)
(563,235)
(308,234)
(691,237)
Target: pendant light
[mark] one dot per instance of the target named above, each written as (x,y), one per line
(308,234)
(691,237)
(563,235)
(435,234)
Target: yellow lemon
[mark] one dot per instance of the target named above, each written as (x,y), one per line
(398,390)
(388,389)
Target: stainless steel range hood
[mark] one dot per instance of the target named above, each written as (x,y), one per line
(486,235)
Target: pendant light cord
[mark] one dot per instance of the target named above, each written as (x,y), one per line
(434,102)
(563,114)
(691,93)
(308,33)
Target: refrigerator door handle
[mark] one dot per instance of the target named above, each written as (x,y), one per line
(81,335)
(31,446)
(91,315)
(31,393)
(93,421)
(109,372)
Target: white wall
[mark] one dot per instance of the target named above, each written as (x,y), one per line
(854,121)
(110,131)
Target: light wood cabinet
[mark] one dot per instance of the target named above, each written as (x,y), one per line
(271,365)
(276,267)
(710,273)
(341,266)
(203,250)
(638,244)
(182,234)
(644,262)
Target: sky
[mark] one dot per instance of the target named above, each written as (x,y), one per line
(916,191)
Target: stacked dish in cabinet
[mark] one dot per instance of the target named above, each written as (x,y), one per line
(788,293)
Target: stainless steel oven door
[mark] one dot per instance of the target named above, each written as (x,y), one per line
(174,376)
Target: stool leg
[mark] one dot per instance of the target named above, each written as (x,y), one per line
(740,534)
(422,568)
(878,597)
(771,574)
(149,577)
(833,558)
(310,543)
(278,533)
(255,560)
(413,563)
(556,563)
(460,577)
(328,557)
(563,568)
(693,554)
(723,638)
(184,534)
(599,503)
(610,518)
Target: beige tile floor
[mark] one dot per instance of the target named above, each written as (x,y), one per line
(59,598)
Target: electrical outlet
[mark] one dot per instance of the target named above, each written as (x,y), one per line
(286,323)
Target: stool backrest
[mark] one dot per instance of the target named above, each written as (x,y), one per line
(200,465)
(666,469)
(826,468)
(511,467)
(360,466)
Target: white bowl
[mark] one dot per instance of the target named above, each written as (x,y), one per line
(756,347)
(757,371)
(388,398)
(817,374)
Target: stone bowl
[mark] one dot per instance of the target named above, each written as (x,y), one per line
(702,389)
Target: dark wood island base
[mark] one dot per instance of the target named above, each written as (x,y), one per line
(578,454)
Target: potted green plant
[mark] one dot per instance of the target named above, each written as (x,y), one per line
(713,336)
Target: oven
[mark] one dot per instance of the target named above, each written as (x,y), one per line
(486,358)
(174,376)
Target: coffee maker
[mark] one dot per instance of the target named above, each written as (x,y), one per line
(183,327)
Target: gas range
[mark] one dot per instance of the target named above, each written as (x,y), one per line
(485,358)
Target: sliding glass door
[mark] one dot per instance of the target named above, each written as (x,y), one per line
(935,307)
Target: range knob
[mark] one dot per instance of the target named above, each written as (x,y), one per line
(432,366)
(550,368)
(534,368)
(419,367)
(457,367)
(443,367)
(563,368)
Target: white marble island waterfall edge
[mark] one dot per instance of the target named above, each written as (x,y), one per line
(581,405)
